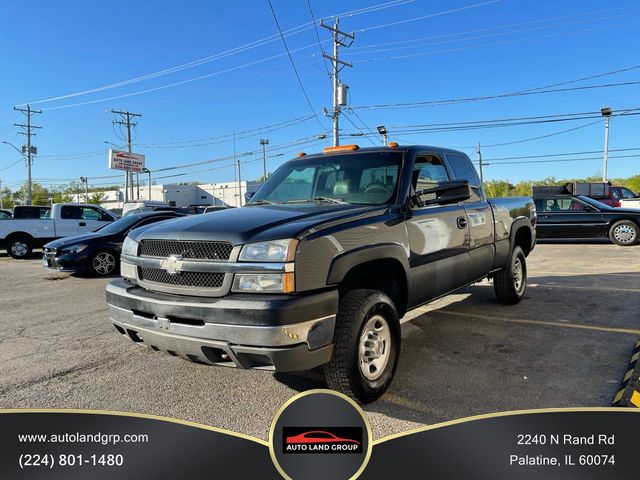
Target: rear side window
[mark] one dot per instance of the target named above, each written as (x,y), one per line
(463,169)
(71,212)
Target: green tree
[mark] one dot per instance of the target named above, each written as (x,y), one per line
(97,198)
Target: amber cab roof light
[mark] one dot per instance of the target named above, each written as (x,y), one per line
(340,148)
(301,154)
(393,144)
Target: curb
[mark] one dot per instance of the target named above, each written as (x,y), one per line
(629,393)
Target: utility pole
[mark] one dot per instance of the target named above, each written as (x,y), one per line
(606,113)
(29,149)
(340,39)
(479,153)
(1,204)
(264,142)
(148,172)
(125,119)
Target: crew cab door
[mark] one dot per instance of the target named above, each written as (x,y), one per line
(438,237)
(479,215)
(68,222)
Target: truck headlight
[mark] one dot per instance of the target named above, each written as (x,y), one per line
(127,270)
(130,247)
(264,282)
(273,251)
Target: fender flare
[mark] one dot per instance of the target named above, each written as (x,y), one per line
(343,263)
(517,225)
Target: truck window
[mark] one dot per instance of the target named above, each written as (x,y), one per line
(89,213)
(70,212)
(428,170)
(463,169)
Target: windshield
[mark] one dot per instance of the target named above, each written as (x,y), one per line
(122,224)
(366,178)
(595,203)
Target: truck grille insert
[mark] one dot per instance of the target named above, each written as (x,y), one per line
(186,249)
(183,279)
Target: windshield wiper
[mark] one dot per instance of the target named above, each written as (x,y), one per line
(330,200)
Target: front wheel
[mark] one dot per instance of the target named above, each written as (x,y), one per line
(510,283)
(103,263)
(366,345)
(624,233)
(20,247)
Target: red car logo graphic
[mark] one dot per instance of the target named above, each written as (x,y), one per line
(318,436)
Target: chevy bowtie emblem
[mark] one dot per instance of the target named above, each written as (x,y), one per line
(172,264)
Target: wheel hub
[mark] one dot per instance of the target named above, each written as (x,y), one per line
(375,344)
(19,248)
(517,274)
(624,233)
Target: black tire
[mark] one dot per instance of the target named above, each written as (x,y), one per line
(510,283)
(103,263)
(358,309)
(624,233)
(19,246)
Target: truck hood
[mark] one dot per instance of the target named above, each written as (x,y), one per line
(256,223)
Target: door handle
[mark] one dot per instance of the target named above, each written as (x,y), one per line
(83,224)
(462,222)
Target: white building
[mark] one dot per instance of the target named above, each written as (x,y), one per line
(182,195)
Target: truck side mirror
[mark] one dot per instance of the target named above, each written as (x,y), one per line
(444,193)
(247,196)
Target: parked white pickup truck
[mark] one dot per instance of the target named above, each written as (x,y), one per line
(20,236)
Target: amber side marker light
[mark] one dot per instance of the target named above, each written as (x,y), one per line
(341,148)
(393,144)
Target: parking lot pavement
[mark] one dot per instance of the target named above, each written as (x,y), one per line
(567,344)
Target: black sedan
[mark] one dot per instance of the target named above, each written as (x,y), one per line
(580,217)
(98,252)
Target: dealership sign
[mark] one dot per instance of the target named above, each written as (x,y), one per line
(131,162)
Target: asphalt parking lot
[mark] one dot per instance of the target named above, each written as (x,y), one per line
(566,345)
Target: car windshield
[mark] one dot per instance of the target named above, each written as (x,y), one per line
(365,178)
(595,203)
(122,224)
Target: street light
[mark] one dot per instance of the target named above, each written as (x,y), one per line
(606,113)
(264,142)
(85,180)
(385,135)
(148,172)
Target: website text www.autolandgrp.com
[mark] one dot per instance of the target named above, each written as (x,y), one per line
(97,438)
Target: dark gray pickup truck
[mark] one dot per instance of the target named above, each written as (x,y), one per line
(322,263)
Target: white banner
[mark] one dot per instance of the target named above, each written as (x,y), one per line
(131,162)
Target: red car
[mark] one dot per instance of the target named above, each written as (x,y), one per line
(318,436)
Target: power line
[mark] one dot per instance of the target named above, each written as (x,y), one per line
(315,27)
(506,42)
(293,65)
(233,51)
(536,91)
(402,45)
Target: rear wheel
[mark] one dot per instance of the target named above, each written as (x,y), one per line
(19,246)
(366,345)
(510,283)
(624,233)
(103,263)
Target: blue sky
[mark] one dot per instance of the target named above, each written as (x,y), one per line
(56,48)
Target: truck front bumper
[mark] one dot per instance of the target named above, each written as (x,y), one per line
(269,332)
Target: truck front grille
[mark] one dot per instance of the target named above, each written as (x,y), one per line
(183,279)
(186,249)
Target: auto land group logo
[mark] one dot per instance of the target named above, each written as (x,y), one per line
(322,440)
